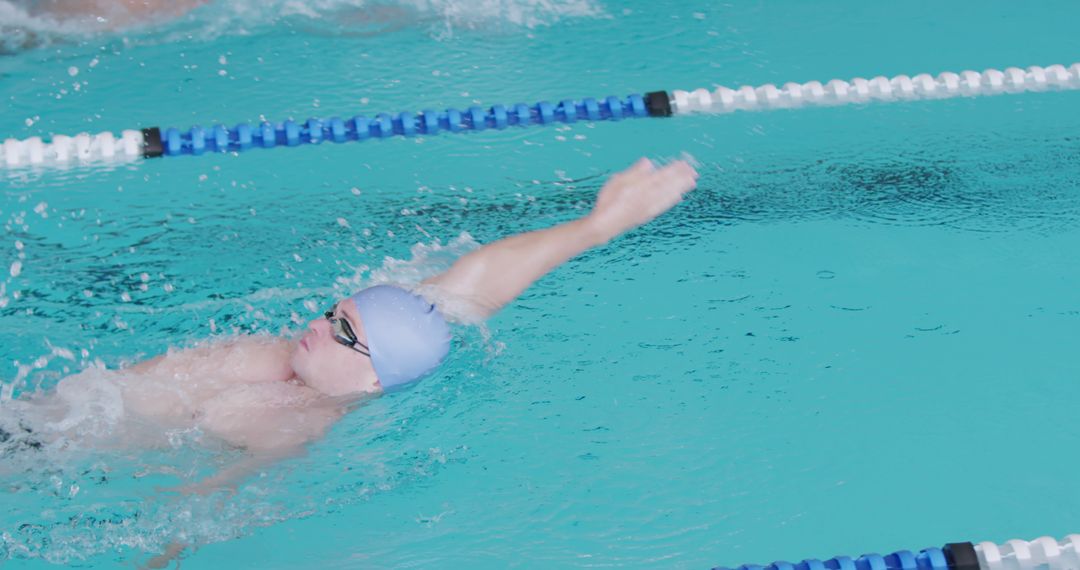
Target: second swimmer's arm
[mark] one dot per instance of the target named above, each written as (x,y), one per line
(496,274)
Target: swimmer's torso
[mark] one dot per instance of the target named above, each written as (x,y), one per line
(176,386)
(241,390)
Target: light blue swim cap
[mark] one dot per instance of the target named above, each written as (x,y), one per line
(407,336)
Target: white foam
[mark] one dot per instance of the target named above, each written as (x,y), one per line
(426,260)
(20,29)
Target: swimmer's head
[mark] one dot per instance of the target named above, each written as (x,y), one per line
(322,361)
(399,337)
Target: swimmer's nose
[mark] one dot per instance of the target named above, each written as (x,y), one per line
(316,326)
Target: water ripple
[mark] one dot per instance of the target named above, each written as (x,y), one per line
(968,193)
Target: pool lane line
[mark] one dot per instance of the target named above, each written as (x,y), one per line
(1043,553)
(156,142)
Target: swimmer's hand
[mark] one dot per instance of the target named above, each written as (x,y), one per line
(639,194)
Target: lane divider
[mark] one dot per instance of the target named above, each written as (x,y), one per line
(155,142)
(1043,553)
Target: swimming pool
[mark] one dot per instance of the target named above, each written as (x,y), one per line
(856,335)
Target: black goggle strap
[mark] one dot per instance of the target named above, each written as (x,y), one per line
(347,335)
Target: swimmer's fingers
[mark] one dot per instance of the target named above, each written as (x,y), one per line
(668,185)
(642,167)
(201,488)
(185,490)
(678,176)
(173,552)
(173,490)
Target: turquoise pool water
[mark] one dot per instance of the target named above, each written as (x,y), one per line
(858,334)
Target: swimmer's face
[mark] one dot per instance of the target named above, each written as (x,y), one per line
(330,367)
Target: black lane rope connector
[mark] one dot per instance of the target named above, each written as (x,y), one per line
(152,143)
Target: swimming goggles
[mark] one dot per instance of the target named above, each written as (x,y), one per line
(343,333)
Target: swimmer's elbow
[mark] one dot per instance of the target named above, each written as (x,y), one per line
(461,292)
(482,282)
(458,305)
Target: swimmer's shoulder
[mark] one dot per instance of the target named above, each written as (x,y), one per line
(259,358)
(244,358)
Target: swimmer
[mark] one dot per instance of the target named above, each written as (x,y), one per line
(270,396)
(29,24)
(112,14)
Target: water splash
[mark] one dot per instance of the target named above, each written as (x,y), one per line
(22,29)
(426,260)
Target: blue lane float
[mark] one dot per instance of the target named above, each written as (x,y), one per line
(927,559)
(196,141)
(1043,553)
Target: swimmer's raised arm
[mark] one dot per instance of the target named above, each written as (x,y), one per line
(496,274)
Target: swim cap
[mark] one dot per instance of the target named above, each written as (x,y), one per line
(407,336)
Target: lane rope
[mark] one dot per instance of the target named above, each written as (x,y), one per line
(1043,553)
(155,142)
